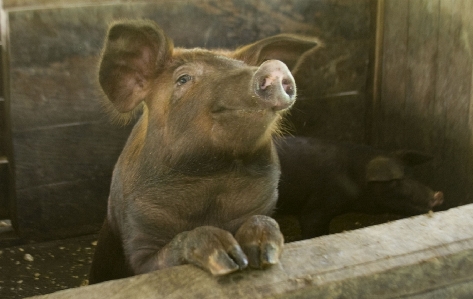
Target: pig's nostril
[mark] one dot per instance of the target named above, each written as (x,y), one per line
(265,82)
(288,87)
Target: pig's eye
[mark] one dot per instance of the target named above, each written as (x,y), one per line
(183,79)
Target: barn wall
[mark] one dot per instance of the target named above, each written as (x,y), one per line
(426,92)
(64,146)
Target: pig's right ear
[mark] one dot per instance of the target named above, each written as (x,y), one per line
(412,157)
(133,55)
(383,169)
(285,47)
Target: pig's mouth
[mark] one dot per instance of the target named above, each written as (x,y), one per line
(422,207)
(239,111)
(437,199)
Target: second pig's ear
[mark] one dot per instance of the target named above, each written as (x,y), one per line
(411,157)
(287,48)
(133,55)
(383,169)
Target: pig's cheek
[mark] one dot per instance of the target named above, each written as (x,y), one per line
(179,93)
(261,240)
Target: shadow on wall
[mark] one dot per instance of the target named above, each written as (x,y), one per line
(426,94)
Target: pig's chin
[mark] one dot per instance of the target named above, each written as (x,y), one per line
(408,209)
(243,130)
(257,116)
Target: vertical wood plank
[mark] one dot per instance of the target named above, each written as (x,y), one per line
(454,88)
(468,38)
(374,74)
(387,129)
(444,72)
(421,70)
(4,204)
(427,90)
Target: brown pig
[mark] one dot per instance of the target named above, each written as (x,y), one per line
(197,179)
(322,179)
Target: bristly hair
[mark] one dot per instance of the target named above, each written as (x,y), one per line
(118,118)
(285,126)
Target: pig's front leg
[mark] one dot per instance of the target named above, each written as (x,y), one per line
(261,240)
(207,247)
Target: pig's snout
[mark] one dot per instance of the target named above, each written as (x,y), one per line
(437,200)
(275,85)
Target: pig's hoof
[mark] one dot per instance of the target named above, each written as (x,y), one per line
(215,250)
(261,240)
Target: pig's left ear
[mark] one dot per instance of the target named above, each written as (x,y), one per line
(383,169)
(411,157)
(285,47)
(133,55)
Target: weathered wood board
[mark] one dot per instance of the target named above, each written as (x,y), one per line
(64,147)
(428,256)
(427,90)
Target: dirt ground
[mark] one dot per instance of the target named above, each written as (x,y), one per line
(43,268)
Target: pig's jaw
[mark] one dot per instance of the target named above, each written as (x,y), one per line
(244,130)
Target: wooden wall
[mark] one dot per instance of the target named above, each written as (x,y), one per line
(4,170)
(64,147)
(425,99)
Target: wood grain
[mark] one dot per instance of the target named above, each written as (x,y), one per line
(390,116)
(426,101)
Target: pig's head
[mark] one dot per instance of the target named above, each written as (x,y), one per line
(391,191)
(195,98)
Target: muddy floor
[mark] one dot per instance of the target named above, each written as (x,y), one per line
(42,268)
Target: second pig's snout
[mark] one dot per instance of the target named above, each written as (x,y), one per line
(275,85)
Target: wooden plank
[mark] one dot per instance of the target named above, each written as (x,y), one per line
(374,75)
(421,74)
(443,89)
(453,93)
(426,90)
(66,153)
(418,122)
(63,209)
(41,4)
(411,258)
(2,128)
(63,94)
(4,198)
(388,118)
(468,21)
(62,178)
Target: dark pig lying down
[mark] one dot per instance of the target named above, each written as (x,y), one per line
(321,180)
(197,179)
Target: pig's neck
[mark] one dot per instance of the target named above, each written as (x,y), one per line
(197,163)
(151,149)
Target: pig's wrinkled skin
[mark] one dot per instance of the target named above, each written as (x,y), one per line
(321,180)
(198,176)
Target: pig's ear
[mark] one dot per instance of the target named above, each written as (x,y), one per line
(383,169)
(411,157)
(285,47)
(133,55)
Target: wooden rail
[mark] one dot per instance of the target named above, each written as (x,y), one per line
(428,256)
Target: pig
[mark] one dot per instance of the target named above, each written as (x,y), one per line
(321,179)
(197,179)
